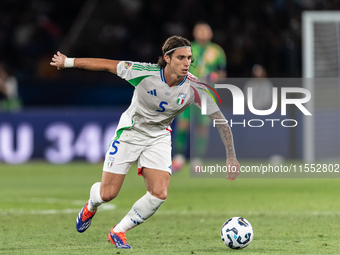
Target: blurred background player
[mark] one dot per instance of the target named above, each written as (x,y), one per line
(210,65)
(9,99)
(261,88)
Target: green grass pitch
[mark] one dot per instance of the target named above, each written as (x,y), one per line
(39,203)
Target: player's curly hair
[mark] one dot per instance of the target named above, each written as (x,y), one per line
(171,43)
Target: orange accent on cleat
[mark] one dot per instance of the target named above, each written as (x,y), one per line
(84,219)
(118,239)
(87,213)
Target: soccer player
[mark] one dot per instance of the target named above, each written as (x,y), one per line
(210,65)
(162,92)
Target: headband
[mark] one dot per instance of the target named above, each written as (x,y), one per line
(166,53)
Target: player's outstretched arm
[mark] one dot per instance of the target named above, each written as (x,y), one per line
(60,61)
(227,139)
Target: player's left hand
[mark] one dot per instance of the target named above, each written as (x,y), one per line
(233,168)
(58,60)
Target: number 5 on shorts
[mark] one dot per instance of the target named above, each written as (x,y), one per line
(115,147)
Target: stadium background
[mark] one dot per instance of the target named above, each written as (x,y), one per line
(266,32)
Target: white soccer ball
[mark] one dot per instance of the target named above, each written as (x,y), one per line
(237,233)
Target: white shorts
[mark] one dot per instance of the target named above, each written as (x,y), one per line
(155,154)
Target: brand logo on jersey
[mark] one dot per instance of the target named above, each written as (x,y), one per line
(168,93)
(152,92)
(181,97)
(127,65)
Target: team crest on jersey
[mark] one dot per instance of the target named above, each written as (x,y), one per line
(181,97)
(127,65)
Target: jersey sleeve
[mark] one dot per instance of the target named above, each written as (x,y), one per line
(201,94)
(135,72)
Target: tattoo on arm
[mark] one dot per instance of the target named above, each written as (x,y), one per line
(225,134)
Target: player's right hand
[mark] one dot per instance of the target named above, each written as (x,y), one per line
(233,168)
(58,60)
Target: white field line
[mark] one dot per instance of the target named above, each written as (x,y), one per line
(254,213)
(104,207)
(39,200)
(107,207)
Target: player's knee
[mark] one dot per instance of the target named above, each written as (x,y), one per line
(161,194)
(107,195)
(203,130)
(183,125)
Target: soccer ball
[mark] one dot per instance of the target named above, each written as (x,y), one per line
(237,233)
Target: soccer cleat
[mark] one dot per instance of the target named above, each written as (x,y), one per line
(118,239)
(84,219)
(178,163)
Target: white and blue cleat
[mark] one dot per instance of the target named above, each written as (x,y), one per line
(84,219)
(118,239)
